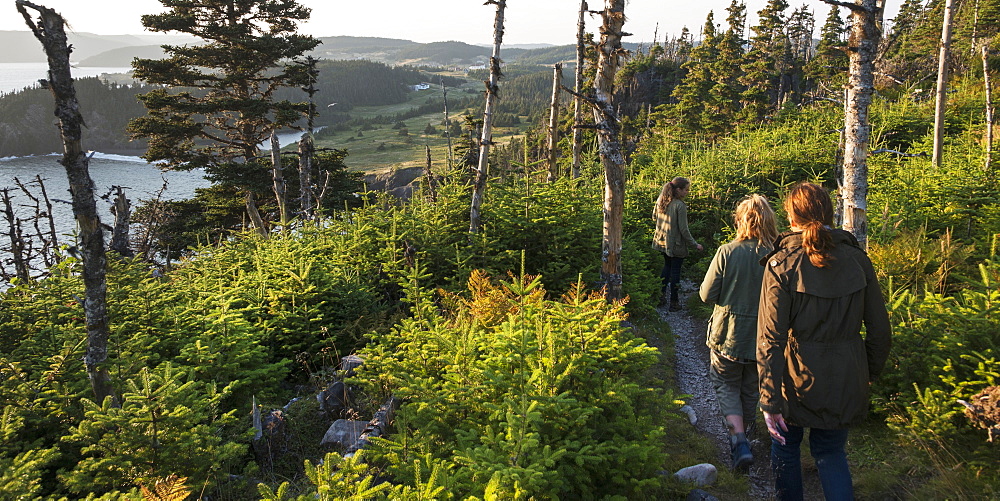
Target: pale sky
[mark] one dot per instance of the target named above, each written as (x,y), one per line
(527,21)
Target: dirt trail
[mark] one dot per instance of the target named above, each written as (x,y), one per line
(691,368)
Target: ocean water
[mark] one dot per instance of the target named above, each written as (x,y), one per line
(17,76)
(140,179)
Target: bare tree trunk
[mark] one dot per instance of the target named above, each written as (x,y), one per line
(255,219)
(306,149)
(49,30)
(307,145)
(609,145)
(482,170)
(578,87)
(862,48)
(122,212)
(429,176)
(48,237)
(942,83)
(15,237)
(989,111)
(447,124)
(554,123)
(278,176)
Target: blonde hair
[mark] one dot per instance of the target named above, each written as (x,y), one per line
(754,218)
(669,193)
(809,207)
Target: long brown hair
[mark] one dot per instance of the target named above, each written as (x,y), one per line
(669,193)
(754,218)
(809,207)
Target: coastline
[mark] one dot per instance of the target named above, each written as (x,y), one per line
(123,155)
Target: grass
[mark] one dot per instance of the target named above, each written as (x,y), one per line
(386,148)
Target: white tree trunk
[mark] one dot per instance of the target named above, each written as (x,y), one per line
(554,123)
(609,145)
(942,83)
(989,111)
(486,139)
(278,178)
(578,87)
(306,149)
(862,47)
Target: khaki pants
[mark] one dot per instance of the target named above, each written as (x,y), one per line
(736,386)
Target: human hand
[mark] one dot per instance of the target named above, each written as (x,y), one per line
(700,248)
(775,422)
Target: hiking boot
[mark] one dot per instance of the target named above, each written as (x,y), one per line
(742,457)
(675,306)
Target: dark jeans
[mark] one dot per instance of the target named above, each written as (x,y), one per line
(671,275)
(827,448)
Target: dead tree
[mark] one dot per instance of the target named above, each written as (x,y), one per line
(16,238)
(862,47)
(49,30)
(989,112)
(578,87)
(429,176)
(278,179)
(942,83)
(486,140)
(121,209)
(609,54)
(306,150)
(554,123)
(447,124)
(307,146)
(43,213)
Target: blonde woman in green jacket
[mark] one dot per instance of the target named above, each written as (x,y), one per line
(672,235)
(733,284)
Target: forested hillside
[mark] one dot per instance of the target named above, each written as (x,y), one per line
(489,363)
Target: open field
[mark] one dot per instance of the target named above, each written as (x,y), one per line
(385,147)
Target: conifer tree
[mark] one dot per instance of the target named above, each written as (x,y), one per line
(217,102)
(695,89)
(762,72)
(724,97)
(831,58)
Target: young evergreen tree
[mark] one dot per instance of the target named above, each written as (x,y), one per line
(695,89)
(217,102)
(762,78)
(724,97)
(831,56)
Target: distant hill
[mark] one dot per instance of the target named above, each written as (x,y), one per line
(123,56)
(119,50)
(22,47)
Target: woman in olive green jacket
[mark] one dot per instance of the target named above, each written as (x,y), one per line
(672,235)
(732,284)
(815,367)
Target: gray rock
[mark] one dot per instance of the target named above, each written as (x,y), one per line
(343,433)
(691,414)
(700,495)
(349,363)
(335,399)
(702,475)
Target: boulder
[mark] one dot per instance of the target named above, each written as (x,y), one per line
(691,414)
(335,399)
(700,495)
(702,475)
(343,433)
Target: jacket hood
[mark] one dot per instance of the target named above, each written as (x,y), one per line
(842,277)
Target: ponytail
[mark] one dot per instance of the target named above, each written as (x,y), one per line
(669,193)
(809,207)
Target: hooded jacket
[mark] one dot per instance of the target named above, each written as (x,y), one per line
(815,367)
(672,235)
(732,284)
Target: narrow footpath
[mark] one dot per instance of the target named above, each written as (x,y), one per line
(691,368)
